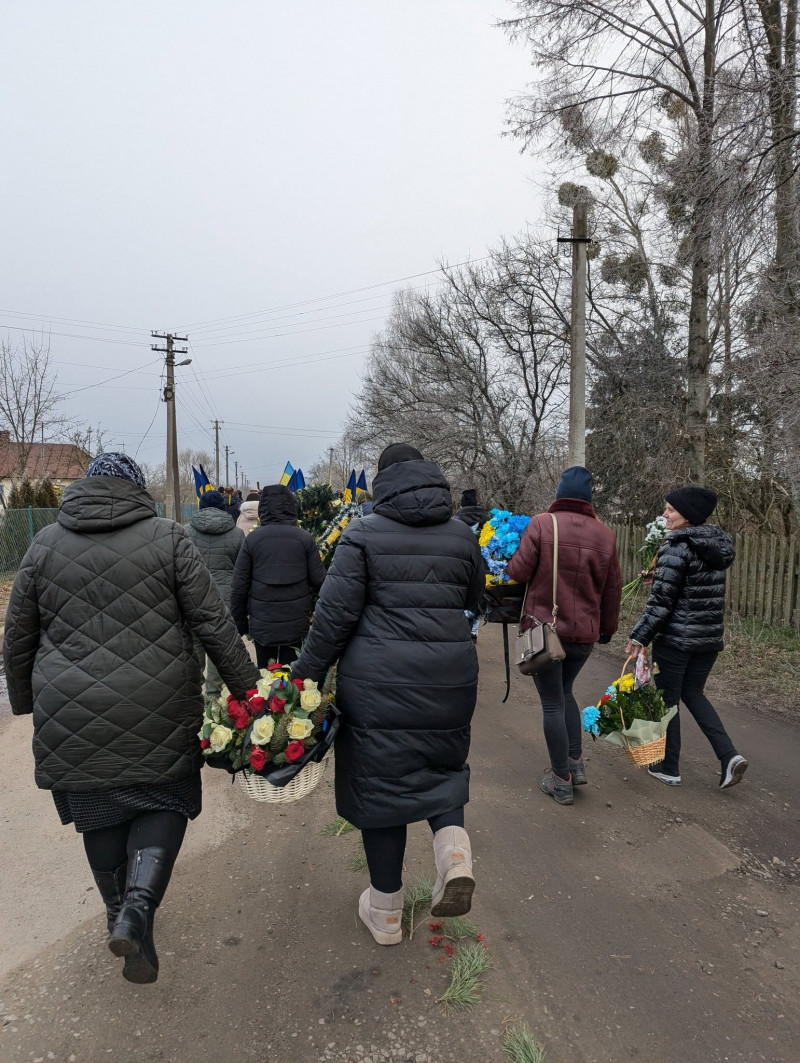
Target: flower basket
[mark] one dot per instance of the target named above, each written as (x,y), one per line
(277,739)
(632,714)
(259,788)
(499,540)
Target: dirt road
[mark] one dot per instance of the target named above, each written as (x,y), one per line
(643,923)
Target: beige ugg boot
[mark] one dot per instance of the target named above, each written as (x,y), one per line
(452,893)
(382,914)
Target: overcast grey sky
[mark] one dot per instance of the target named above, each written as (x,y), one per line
(169,164)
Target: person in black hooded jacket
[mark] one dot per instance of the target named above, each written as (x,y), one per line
(392,613)
(683,619)
(470,511)
(277,571)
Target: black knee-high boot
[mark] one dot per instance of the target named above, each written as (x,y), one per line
(132,937)
(111,887)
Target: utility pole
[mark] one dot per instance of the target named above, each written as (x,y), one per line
(577,337)
(330,466)
(216,446)
(236,474)
(173,488)
(228,453)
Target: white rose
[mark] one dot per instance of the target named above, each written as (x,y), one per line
(220,738)
(310,700)
(299,729)
(262,730)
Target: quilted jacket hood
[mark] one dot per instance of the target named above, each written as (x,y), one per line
(711,544)
(104,503)
(413,493)
(212,521)
(277,505)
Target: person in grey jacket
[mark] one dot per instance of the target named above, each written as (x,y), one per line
(99,646)
(683,619)
(214,532)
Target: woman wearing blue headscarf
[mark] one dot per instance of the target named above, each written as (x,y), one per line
(99,647)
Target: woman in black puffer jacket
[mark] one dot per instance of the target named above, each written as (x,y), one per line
(392,613)
(684,620)
(276,572)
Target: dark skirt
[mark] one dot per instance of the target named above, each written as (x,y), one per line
(98,809)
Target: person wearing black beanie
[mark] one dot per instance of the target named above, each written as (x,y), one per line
(470,512)
(212,500)
(683,619)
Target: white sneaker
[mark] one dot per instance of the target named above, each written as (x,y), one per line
(455,884)
(733,772)
(670,780)
(382,914)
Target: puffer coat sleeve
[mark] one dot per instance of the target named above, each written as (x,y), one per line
(668,581)
(339,611)
(22,638)
(204,611)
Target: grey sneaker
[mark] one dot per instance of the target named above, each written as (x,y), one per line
(578,769)
(559,789)
(656,770)
(732,772)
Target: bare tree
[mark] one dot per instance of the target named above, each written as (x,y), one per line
(28,398)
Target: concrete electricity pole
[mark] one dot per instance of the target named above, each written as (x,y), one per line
(577,334)
(330,466)
(236,474)
(216,448)
(228,453)
(173,489)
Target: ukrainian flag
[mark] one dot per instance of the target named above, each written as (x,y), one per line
(288,473)
(201,482)
(362,481)
(350,491)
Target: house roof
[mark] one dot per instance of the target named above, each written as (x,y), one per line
(54,461)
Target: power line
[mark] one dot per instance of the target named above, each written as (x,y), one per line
(102,383)
(71,335)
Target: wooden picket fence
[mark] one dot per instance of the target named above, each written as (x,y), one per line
(763,582)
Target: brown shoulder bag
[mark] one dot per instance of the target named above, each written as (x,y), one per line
(540,646)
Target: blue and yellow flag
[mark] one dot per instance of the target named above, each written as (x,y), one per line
(297,481)
(288,473)
(202,484)
(350,491)
(362,481)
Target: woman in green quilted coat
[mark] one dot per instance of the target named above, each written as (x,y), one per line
(99,646)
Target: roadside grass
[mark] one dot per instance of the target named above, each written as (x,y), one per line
(520,1047)
(469,964)
(759,667)
(359,859)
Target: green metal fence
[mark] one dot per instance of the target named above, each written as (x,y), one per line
(17,529)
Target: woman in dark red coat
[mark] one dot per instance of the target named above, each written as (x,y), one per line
(588,597)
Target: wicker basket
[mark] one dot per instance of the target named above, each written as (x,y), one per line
(648,753)
(306,781)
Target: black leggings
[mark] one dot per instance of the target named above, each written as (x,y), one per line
(562,718)
(108,848)
(386,846)
(266,654)
(682,677)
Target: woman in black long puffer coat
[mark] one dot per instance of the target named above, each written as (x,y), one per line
(684,620)
(392,612)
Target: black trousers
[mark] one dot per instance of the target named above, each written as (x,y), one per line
(682,677)
(561,715)
(265,655)
(385,848)
(109,847)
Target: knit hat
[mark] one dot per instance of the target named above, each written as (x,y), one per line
(696,504)
(113,463)
(397,452)
(469,498)
(212,500)
(254,496)
(575,482)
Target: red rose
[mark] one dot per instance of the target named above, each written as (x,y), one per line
(257,704)
(298,683)
(240,717)
(205,743)
(294,751)
(273,667)
(605,698)
(251,693)
(277,704)
(258,758)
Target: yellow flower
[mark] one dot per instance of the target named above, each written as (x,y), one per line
(262,730)
(220,738)
(625,683)
(487,532)
(263,685)
(299,729)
